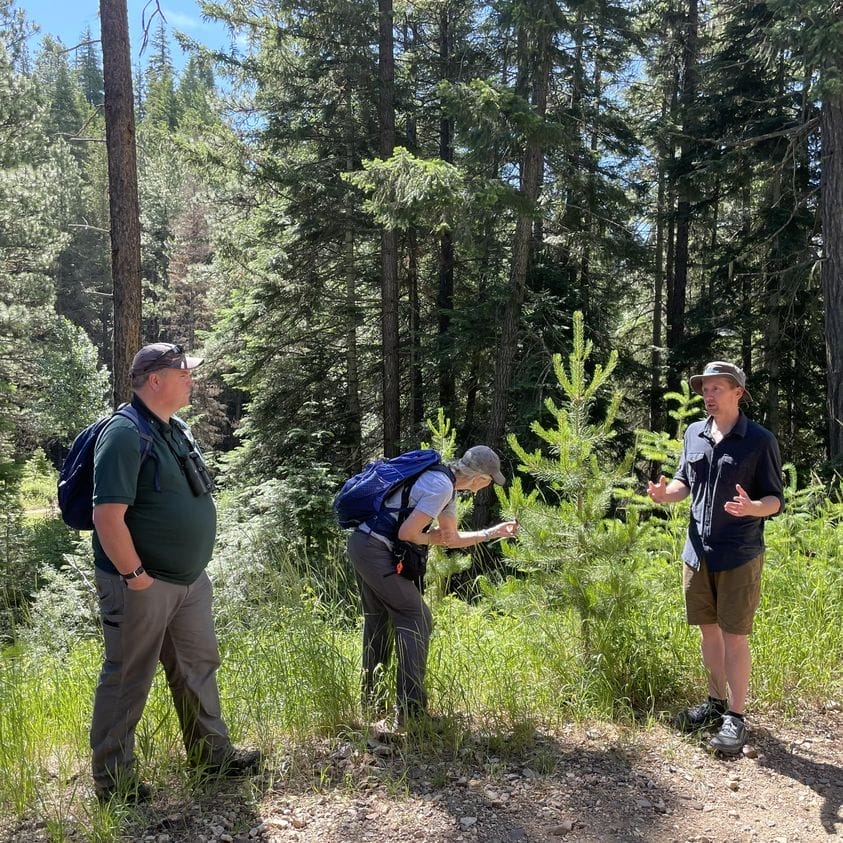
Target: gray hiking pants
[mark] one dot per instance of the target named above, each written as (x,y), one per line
(172,624)
(393,609)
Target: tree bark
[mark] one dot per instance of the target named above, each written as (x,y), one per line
(389,242)
(416,374)
(530,180)
(772,310)
(445,293)
(832,268)
(534,65)
(354,425)
(676,308)
(122,192)
(658,296)
(588,217)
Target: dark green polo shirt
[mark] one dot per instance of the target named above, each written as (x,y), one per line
(173,530)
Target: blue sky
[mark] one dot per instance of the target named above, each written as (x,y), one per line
(67,19)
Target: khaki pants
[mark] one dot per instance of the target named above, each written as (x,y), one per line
(172,624)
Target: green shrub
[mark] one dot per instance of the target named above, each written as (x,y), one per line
(35,548)
(38,483)
(64,610)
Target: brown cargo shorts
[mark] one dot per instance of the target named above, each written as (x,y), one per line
(727,598)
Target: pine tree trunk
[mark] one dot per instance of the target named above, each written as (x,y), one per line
(832,268)
(445,293)
(354,424)
(531,173)
(676,310)
(122,193)
(591,200)
(573,214)
(414,336)
(772,309)
(670,219)
(389,242)
(416,375)
(535,73)
(658,295)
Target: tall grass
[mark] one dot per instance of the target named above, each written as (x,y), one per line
(513,661)
(44,709)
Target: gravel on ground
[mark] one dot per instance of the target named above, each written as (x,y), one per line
(582,784)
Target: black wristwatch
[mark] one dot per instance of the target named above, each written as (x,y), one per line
(136,573)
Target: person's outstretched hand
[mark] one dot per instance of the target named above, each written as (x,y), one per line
(741,504)
(504,530)
(658,491)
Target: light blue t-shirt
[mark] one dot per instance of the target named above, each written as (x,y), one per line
(432,494)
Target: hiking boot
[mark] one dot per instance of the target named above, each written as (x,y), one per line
(236,762)
(702,716)
(731,737)
(130,791)
(416,723)
(387,730)
(426,724)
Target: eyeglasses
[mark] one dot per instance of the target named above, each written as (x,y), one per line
(174,350)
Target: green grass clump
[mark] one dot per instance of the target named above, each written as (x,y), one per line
(510,663)
(38,480)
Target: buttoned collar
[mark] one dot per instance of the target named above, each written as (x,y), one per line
(739,428)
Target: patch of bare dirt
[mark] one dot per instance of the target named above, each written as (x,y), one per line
(583,783)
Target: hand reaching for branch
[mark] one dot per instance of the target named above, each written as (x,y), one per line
(504,530)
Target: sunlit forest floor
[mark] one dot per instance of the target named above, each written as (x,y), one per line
(589,782)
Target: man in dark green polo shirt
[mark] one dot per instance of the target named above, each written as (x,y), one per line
(731,468)
(155,524)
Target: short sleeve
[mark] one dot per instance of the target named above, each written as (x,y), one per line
(116,463)
(768,476)
(432,492)
(682,469)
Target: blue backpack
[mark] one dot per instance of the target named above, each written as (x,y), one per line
(76,478)
(361,499)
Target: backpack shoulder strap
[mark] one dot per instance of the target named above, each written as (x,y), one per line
(181,424)
(404,512)
(185,430)
(147,441)
(443,469)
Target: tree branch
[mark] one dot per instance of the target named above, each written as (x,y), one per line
(80,44)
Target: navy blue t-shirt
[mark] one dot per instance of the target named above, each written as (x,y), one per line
(748,455)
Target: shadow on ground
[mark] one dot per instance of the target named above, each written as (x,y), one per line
(794,761)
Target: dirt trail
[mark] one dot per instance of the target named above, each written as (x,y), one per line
(585,783)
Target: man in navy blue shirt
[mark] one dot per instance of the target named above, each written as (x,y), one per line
(731,468)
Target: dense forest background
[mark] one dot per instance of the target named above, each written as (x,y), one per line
(523,222)
(361,214)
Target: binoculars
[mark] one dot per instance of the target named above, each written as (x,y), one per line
(196,472)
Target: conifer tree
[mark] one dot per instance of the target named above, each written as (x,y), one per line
(49,382)
(89,69)
(567,542)
(161,106)
(122,192)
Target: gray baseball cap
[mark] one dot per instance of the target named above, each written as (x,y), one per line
(720,369)
(481,459)
(162,355)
